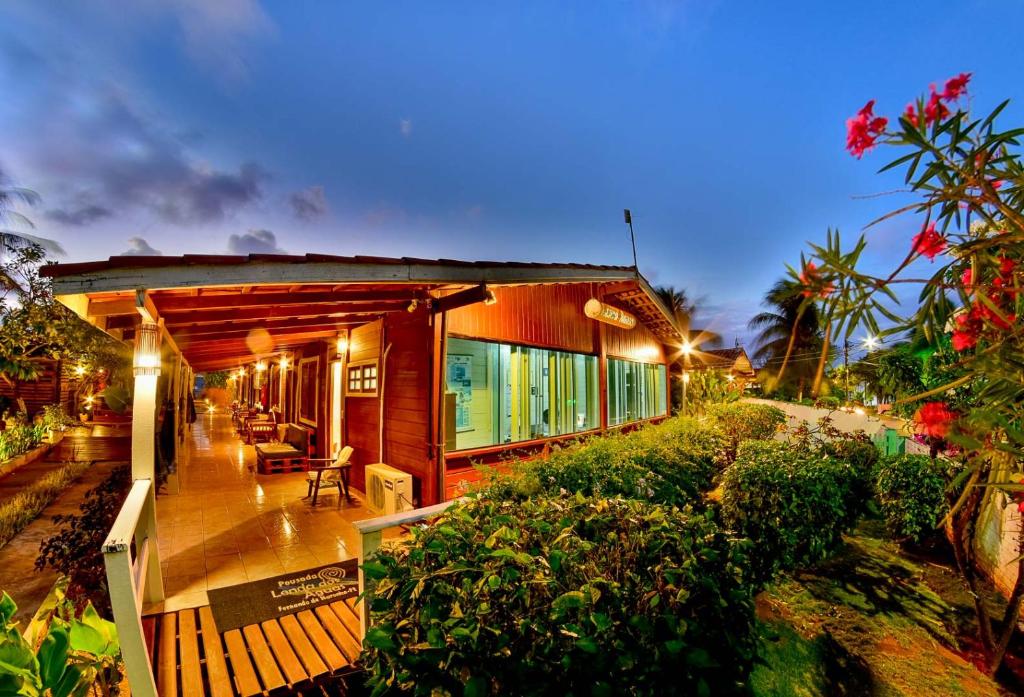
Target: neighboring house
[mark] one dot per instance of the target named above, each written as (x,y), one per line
(430,366)
(731,361)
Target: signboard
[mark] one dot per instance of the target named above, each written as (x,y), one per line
(460,381)
(602,312)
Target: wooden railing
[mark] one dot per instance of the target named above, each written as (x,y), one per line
(371,535)
(131,555)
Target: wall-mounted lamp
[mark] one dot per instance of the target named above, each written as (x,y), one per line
(147,350)
(241,372)
(413,304)
(284,362)
(260,366)
(490,298)
(342,345)
(80,370)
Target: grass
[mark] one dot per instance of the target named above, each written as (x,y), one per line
(25,506)
(869,621)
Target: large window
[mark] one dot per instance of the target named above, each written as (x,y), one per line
(635,391)
(498,393)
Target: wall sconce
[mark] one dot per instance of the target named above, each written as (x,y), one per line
(260,366)
(342,345)
(147,349)
(284,362)
(490,298)
(241,372)
(80,370)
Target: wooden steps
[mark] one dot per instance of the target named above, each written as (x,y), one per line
(191,658)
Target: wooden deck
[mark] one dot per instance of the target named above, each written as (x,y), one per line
(191,658)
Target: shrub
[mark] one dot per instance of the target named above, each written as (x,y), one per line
(76,550)
(912,493)
(26,505)
(671,463)
(19,439)
(792,503)
(742,421)
(55,418)
(77,656)
(567,595)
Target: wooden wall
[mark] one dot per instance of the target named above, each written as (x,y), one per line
(548,316)
(51,386)
(407,401)
(636,344)
(362,414)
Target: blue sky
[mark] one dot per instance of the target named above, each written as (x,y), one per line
(480,130)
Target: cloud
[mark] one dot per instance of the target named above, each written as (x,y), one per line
(405,127)
(138,247)
(78,216)
(254,242)
(309,204)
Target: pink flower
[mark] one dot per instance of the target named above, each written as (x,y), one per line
(863,130)
(956,87)
(935,110)
(928,242)
(934,419)
(910,114)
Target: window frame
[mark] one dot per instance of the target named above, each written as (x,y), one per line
(367,373)
(608,391)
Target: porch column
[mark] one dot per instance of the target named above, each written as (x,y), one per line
(146,365)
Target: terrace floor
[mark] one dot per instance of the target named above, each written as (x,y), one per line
(226,525)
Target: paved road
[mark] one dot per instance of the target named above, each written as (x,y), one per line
(845,421)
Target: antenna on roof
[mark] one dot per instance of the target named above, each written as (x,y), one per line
(632,238)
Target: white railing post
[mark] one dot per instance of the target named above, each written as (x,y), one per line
(371,536)
(146,531)
(127,582)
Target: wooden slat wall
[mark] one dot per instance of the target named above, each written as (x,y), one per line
(547,316)
(362,414)
(407,401)
(637,344)
(49,387)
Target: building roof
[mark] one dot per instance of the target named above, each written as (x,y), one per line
(722,359)
(211,304)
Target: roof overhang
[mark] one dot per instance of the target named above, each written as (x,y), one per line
(211,306)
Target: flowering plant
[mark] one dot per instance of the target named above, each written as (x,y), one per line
(967,181)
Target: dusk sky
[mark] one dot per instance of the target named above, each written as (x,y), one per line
(514,131)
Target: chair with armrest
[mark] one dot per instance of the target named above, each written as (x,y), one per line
(329,472)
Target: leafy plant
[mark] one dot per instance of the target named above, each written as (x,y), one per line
(76,550)
(19,439)
(26,505)
(794,504)
(745,421)
(55,418)
(569,595)
(672,462)
(912,493)
(967,179)
(76,655)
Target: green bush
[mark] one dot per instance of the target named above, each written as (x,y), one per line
(741,421)
(567,595)
(912,494)
(18,439)
(671,463)
(793,504)
(26,505)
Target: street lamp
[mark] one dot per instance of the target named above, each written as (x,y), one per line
(687,348)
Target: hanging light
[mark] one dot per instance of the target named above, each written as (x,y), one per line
(147,349)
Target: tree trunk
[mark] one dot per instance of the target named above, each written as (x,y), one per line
(1012,615)
(820,373)
(963,551)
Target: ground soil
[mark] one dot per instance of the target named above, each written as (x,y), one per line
(876,619)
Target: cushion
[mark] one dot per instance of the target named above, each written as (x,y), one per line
(277,449)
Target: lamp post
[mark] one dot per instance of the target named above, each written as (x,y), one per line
(687,348)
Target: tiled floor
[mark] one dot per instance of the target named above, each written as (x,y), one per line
(227,525)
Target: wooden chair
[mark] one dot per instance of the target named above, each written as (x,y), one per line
(335,474)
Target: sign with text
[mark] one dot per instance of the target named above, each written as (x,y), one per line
(603,312)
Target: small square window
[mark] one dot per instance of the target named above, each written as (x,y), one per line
(362,379)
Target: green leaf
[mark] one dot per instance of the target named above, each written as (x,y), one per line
(586,644)
(379,638)
(567,601)
(375,570)
(476,686)
(53,655)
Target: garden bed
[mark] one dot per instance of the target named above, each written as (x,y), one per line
(41,450)
(875,619)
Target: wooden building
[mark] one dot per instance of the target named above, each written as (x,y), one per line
(428,366)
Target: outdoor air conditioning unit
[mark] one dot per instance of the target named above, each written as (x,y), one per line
(388,490)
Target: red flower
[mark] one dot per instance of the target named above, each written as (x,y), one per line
(863,130)
(963,340)
(934,419)
(810,277)
(996,184)
(967,278)
(1006,266)
(910,114)
(935,110)
(956,87)
(928,242)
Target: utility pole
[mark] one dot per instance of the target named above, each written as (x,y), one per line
(632,238)
(846,368)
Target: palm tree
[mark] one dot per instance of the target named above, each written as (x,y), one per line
(789,340)
(684,309)
(11,240)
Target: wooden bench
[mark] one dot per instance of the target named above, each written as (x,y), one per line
(192,658)
(290,455)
